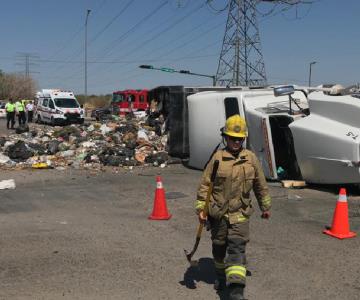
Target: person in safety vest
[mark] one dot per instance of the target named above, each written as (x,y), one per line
(20,109)
(230,205)
(10,113)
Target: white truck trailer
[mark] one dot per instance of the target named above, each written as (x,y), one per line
(314,137)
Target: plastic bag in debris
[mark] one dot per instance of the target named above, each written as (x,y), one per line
(105,129)
(7,184)
(67,153)
(22,129)
(157,158)
(8,144)
(2,141)
(142,135)
(4,159)
(88,144)
(53,147)
(19,151)
(37,149)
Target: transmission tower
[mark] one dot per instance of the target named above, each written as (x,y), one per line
(26,60)
(241,61)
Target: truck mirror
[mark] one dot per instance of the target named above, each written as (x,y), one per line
(284,90)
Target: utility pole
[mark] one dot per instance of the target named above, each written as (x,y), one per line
(241,61)
(310,65)
(86,22)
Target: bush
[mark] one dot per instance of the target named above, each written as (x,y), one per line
(17,86)
(94,100)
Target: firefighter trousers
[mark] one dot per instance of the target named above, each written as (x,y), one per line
(229,241)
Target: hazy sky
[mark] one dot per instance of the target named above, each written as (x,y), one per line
(181,34)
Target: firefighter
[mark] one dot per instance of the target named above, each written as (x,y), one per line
(231,207)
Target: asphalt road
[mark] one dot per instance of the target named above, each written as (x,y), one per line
(83,235)
(86,235)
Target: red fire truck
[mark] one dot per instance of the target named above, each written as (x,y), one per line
(130,100)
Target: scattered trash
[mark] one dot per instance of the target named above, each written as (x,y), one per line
(7,184)
(294,197)
(293,183)
(116,142)
(41,165)
(4,159)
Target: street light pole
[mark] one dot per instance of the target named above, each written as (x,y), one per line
(169,70)
(312,63)
(86,22)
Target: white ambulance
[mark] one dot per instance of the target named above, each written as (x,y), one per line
(57,107)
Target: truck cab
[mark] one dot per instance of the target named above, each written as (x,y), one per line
(127,101)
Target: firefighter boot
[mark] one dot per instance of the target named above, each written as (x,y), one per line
(220,282)
(236,291)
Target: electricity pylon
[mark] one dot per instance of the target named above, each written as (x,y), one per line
(241,61)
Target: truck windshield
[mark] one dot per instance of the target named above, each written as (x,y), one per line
(118,98)
(66,103)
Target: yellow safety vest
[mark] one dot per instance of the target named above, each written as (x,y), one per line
(19,106)
(10,107)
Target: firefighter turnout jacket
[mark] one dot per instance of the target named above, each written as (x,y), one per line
(235,178)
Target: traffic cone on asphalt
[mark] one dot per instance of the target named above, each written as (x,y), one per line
(160,211)
(340,226)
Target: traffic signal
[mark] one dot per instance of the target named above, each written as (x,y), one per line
(146,67)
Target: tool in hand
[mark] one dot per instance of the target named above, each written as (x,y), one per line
(205,213)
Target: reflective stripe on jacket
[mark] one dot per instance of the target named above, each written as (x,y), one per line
(235,178)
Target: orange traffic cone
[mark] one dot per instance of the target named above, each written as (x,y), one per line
(160,211)
(340,226)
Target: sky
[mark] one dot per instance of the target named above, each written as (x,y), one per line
(179,34)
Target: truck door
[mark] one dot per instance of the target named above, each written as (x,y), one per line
(45,110)
(260,140)
(52,109)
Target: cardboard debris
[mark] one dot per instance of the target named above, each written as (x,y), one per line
(293,183)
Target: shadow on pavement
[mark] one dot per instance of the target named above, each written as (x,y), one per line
(202,272)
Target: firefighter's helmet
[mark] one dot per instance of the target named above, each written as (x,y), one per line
(236,126)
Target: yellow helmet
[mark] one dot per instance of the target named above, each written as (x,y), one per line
(236,126)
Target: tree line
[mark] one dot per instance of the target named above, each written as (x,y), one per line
(16,86)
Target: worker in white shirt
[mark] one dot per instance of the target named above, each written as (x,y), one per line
(30,111)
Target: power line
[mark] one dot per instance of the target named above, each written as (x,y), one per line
(138,24)
(73,37)
(111,21)
(157,35)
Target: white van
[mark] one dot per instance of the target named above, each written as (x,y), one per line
(58,107)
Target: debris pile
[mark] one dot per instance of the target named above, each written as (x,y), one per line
(122,143)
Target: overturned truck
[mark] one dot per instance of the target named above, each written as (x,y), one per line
(313,137)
